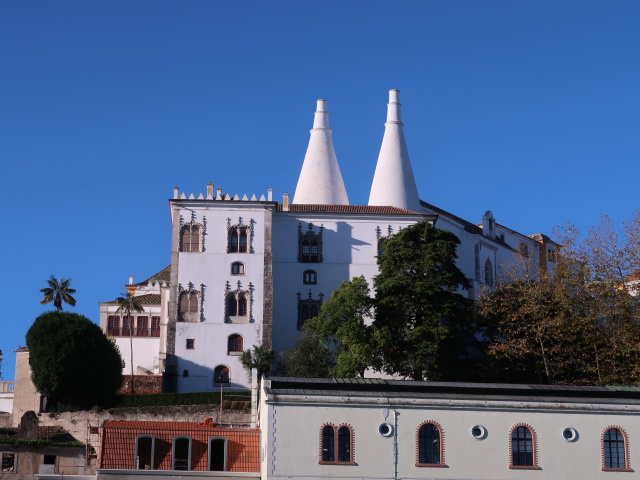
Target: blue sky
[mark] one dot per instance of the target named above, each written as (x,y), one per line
(529,109)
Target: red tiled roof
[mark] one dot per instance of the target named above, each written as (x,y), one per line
(294,207)
(118,444)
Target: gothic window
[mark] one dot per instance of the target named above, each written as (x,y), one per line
(145,446)
(221,374)
(189,305)
(523,448)
(309,245)
(551,255)
(336,452)
(237,268)
(430,446)
(524,249)
(488,273)
(382,238)
(309,277)
(614,450)
(217,454)
(235,344)
(238,304)
(181,453)
(238,237)
(190,237)
(308,308)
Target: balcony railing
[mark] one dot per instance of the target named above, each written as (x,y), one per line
(137,332)
(6,387)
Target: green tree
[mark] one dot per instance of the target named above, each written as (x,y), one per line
(126,304)
(309,357)
(420,314)
(342,325)
(260,358)
(73,363)
(57,292)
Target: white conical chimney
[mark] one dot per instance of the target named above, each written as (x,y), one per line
(320,179)
(393,183)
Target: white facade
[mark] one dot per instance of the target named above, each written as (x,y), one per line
(249,270)
(567,424)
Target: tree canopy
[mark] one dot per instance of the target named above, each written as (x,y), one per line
(414,325)
(57,292)
(72,361)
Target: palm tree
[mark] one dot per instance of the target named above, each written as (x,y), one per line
(57,292)
(127,304)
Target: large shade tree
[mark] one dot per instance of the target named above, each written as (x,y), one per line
(73,362)
(57,292)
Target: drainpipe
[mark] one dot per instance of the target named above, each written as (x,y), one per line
(395,445)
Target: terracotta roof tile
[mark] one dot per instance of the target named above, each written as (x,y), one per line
(366,209)
(162,276)
(148,299)
(119,444)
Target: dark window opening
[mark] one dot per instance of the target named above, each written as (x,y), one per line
(429,444)
(217,460)
(181,453)
(236,343)
(144,455)
(521,447)
(309,277)
(327,444)
(221,374)
(613,445)
(191,343)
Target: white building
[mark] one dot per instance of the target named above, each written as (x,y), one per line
(250,270)
(377,429)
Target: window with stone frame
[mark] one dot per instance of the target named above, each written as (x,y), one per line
(238,304)
(237,268)
(308,308)
(239,237)
(615,450)
(430,445)
(221,374)
(522,448)
(336,445)
(235,344)
(181,453)
(145,449)
(310,244)
(191,238)
(189,305)
(309,277)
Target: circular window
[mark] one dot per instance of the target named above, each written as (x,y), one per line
(570,434)
(385,429)
(478,432)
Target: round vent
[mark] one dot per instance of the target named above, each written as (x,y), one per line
(570,434)
(478,432)
(385,429)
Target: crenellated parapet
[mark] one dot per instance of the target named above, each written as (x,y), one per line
(222,196)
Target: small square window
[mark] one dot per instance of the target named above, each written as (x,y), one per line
(191,343)
(49,460)
(8,462)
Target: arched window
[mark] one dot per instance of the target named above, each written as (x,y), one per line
(344,444)
(340,452)
(221,374)
(309,277)
(237,268)
(189,311)
(237,239)
(217,454)
(614,450)
(430,442)
(190,238)
(523,448)
(488,273)
(327,444)
(145,447)
(181,453)
(235,344)
(236,305)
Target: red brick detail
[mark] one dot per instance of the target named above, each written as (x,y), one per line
(118,445)
(534,447)
(627,465)
(441,433)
